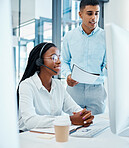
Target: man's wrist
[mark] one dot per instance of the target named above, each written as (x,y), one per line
(67,74)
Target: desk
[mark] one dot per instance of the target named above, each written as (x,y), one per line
(104,140)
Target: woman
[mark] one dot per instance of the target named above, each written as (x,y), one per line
(41,98)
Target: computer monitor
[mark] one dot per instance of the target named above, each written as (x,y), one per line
(117,42)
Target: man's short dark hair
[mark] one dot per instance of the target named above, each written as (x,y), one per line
(84,3)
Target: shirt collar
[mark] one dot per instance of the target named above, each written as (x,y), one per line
(38,82)
(93,32)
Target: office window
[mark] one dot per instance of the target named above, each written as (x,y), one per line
(32,24)
(70,17)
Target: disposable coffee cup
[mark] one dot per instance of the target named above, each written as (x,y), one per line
(61,126)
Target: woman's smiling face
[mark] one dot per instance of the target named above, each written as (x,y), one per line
(51,59)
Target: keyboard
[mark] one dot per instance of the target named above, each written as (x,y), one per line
(91,131)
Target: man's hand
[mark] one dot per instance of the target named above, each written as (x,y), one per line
(106,66)
(70,81)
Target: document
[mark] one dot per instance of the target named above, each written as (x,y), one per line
(82,76)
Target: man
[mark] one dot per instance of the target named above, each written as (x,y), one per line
(85,47)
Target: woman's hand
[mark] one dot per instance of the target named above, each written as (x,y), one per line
(83,117)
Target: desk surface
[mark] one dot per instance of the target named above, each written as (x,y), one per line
(104,140)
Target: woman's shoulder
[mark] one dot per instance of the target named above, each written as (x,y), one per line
(58,82)
(26,82)
(31,80)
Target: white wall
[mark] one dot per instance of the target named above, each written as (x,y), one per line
(117,11)
(8,119)
(43,8)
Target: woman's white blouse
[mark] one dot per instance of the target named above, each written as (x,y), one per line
(38,107)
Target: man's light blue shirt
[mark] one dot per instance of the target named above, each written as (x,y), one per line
(86,51)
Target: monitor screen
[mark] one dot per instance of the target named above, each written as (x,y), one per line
(117,42)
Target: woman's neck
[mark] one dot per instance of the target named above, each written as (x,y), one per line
(46,80)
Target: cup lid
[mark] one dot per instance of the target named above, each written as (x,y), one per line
(62,121)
